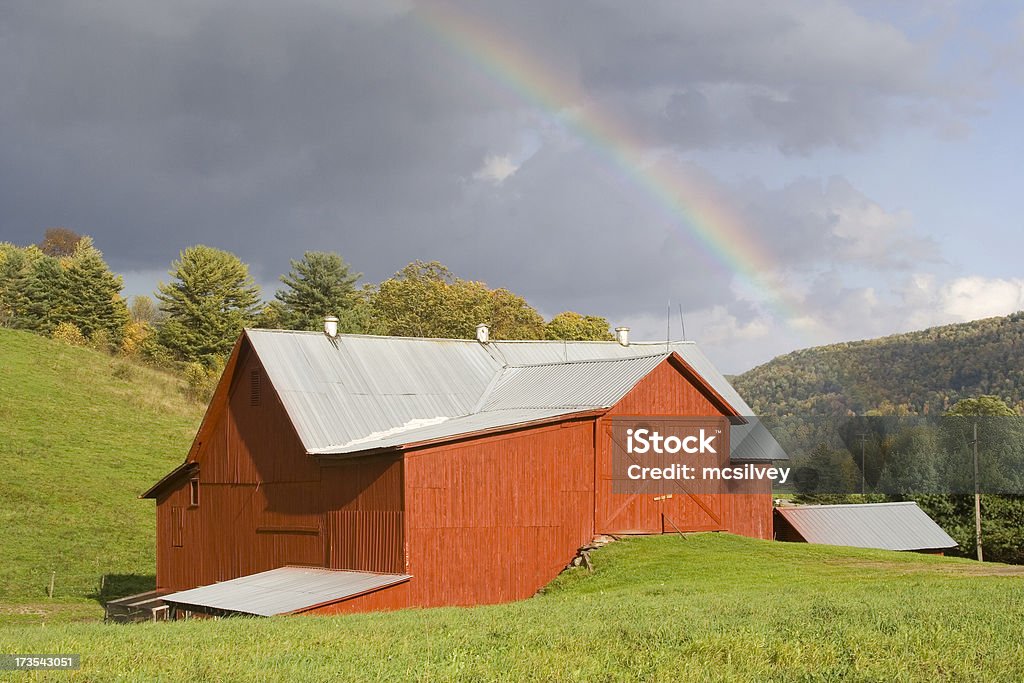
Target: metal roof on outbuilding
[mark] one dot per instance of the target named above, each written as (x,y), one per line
(353,393)
(888,526)
(283,591)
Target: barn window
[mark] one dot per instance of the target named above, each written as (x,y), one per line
(176,527)
(193,493)
(254,388)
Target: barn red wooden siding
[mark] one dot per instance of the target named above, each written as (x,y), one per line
(483,519)
(384,600)
(495,518)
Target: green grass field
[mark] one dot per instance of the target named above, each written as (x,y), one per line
(707,607)
(82,434)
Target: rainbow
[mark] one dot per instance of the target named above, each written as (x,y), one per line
(694,210)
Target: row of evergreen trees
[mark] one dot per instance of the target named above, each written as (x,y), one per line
(38,291)
(63,287)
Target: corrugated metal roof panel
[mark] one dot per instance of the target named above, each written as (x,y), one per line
(753,442)
(284,590)
(888,526)
(337,391)
(692,354)
(579,384)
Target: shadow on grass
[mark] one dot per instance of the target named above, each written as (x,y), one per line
(114,586)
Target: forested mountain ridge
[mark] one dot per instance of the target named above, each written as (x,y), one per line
(919,372)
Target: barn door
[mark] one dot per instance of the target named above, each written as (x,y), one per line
(647,513)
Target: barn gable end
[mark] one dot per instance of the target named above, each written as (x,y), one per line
(251,499)
(673,388)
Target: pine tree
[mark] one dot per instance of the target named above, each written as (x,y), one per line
(14,267)
(208,302)
(318,285)
(92,297)
(42,296)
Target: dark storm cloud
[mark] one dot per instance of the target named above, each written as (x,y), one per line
(238,126)
(569,231)
(272,128)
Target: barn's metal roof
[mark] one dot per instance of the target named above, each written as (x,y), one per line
(888,526)
(418,433)
(359,392)
(513,352)
(341,390)
(284,590)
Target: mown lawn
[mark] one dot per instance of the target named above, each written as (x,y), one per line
(82,434)
(707,607)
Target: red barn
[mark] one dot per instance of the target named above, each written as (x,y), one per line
(386,472)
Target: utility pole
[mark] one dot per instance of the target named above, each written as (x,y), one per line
(863,437)
(977,495)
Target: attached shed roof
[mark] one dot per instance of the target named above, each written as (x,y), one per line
(356,393)
(183,470)
(888,526)
(284,590)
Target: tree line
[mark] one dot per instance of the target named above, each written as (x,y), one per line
(925,372)
(63,287)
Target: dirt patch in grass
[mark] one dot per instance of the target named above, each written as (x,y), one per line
(34,613)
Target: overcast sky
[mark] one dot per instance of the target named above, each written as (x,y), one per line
(791,173)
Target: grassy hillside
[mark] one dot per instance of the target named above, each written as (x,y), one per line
(917,372)
(707,607)
(81,435)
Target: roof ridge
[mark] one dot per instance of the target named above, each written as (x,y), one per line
(652,342)
(472,341)
(813,506)
(363,336)
(609,359)
(564,406)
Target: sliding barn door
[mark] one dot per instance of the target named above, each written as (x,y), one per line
(365,515)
